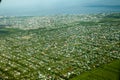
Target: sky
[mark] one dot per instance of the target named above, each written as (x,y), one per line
(20,6)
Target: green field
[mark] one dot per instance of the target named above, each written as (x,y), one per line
(110,71)
(60,47)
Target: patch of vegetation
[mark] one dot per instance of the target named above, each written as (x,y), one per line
(7,31)
(106,72)
(113,15)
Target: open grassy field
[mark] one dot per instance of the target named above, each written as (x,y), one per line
(110,71)
(60,47)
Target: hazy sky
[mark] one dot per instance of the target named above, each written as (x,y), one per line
(50,3)
(20,6)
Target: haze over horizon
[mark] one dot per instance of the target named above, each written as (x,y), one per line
(31,7)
